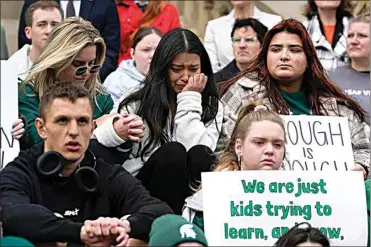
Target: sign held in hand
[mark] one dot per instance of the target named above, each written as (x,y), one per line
(255,208)
(9,148)
(318,143)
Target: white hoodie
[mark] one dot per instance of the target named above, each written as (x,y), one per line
(188,129)
(22,60)
(124,77)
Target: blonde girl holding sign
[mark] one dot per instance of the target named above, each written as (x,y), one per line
(257,143)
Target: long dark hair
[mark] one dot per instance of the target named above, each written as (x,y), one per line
(299,234)
(153,97)
(315,81)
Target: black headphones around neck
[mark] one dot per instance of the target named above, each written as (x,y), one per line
(50,164)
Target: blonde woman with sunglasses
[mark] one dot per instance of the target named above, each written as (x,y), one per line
(75,53)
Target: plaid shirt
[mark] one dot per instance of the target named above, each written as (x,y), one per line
(245,89)
(330,58)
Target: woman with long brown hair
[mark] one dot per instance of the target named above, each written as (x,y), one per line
(143,13)
(289,78)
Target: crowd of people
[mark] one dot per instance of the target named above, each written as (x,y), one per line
(121,110)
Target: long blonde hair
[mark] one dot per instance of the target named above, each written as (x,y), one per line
(67,39)
(247,115)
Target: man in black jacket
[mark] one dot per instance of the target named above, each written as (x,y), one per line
(57,191)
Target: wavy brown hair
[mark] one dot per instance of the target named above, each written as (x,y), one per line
(246,116)
(344,9)
(315,81)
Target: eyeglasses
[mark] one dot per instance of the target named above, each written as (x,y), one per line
(82,70)
(237,39)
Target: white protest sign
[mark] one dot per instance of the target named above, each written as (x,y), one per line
(318,143)
(254,208)
(9,148)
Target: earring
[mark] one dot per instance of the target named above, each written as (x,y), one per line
(239,160)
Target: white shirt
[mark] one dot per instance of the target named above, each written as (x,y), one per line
(21,59)
(76,5)
(218,41)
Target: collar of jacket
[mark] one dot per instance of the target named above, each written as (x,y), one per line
(339,28)
(315,29)
(329,104)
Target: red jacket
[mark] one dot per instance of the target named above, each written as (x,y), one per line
(130,15)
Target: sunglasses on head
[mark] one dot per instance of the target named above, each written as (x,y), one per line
(93,69)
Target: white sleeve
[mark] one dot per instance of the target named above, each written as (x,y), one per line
(105,133)
(211,48)
(189,130)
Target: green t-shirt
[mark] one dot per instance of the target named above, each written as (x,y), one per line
(198,220)
(298,102)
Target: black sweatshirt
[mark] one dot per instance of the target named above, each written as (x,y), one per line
(29,202)
(228,72)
